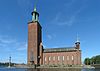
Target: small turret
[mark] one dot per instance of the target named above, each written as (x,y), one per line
(77,43)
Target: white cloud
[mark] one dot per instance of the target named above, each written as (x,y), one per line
(7,41)
(12,43)
(70,3)
(25,4)
(22,46)
(2,45)
(11,47)
(59,20)
(63,20)
(68,22)
(49,37)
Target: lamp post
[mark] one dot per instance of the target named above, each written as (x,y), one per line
(9,61)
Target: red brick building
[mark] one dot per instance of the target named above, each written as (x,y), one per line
(38,55)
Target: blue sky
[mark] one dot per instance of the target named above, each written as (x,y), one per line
(61,21)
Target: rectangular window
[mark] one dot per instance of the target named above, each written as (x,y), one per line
(63,58)
(72,58)
(54,58)
(67,57)
(58,58)
(49,58)
(45,58)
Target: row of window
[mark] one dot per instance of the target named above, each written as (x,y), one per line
(58,58)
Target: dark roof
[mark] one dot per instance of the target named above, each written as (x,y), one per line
(65,49)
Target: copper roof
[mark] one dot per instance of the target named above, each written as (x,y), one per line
(66,49)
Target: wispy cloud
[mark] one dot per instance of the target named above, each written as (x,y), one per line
(59,20)
(2,45)
(66,20)
(25,4)
(22,46)
(12,47)
(7,41)
(68,4)
(49,37)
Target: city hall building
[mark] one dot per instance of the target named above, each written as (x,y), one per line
(40,56)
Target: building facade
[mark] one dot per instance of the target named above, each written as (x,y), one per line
(38,55)
(66,56)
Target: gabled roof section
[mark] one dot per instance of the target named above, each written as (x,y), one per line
(64,49)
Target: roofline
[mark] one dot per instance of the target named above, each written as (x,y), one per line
(60,48)
(61,51)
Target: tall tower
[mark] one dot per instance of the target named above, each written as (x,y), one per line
(34,39)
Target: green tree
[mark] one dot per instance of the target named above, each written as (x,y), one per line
(93,60)
(97,58)
(87,61)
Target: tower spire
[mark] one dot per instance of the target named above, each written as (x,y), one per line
(77,40)
(35,14)
(35,3)
(34,8)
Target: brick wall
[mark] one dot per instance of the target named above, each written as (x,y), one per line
(67,58)
(34,40)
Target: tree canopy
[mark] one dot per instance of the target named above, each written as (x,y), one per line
(93,60)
